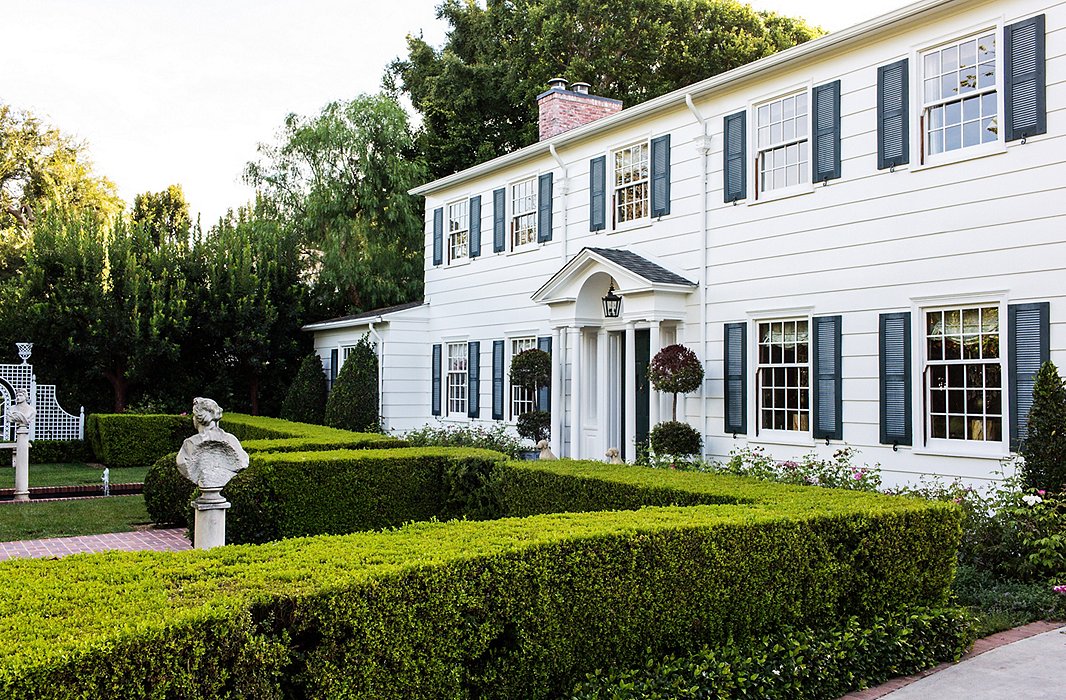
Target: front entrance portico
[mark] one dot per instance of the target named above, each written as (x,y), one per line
(600,393)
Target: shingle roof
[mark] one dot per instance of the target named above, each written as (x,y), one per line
(641,266)
(369,314)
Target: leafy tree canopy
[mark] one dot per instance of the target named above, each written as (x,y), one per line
(477,94)
(677,370)
(164,214)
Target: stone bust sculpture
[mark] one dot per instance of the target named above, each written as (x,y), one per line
(22,412)
(212,456)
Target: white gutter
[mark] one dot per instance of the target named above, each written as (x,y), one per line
(565,187)
(809,49)
(704,147)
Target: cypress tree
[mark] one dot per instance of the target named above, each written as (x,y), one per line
(306,400)
(353,403)
(1044,448)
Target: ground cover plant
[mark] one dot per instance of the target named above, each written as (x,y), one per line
(67,518)
(77,474)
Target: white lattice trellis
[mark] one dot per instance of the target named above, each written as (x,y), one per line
(52,422)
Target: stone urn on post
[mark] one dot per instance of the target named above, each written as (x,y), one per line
(22,415)
(210,459)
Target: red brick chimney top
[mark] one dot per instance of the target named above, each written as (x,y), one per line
(562,110)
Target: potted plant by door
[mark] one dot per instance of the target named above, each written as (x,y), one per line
(677,370)
(531,370)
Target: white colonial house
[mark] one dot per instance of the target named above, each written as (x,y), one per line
(861,237)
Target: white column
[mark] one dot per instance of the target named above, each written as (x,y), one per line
(576,350)
(655,399)
(631,393)
(22,463)
(558,408)
(603,382)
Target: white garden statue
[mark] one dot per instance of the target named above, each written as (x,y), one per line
(210,459)
(21,415)
(613,455)
(545,451)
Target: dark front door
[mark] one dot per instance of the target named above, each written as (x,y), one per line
(643,390)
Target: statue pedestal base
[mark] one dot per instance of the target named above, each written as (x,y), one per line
(22,464)
(210,519)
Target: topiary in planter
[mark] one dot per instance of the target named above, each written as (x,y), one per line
(676,438)
(532,370)
(1044,447)
(534,425)
(675,369)
(167,493)
(306,400)
(353,403)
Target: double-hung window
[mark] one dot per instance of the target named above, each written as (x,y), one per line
(781,137)
(522,400)
(960,95)
(523,213)
(631,177)
(457,379)
(964,374)
(458,231)
(784,375)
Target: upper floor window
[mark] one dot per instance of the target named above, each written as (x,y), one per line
(523,213)
(458,231)
(632,198)
(781,142)
(960,103)
(784,375)
(457,378)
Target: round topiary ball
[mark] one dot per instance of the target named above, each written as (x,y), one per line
(676,438)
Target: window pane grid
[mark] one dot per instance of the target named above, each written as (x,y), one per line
(523,213)
(631,175)
(959,95)
(781,138)
(965,385)
(522,400)
(458,230)
(457,374)
(784,375)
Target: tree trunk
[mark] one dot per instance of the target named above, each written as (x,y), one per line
(675,408)
(253,388)
(120,386)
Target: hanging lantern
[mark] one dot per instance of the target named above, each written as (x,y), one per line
(612,303)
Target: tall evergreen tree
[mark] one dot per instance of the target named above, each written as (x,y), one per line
(1044,447)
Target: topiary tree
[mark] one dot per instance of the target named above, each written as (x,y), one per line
(677,370)
(675,438)
(353,403)
(306,400)
(1044,447)
(532,371)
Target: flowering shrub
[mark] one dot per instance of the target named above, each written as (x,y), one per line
(839,471)
(495,438)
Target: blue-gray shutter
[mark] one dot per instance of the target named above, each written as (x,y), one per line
(893,96)
(826,128)
(1028,347)
(434,390)
(499,226)
(1025,82)
(598,193)
(475,226)
(735,168)
(736,373)
(334,356)
(826,404)
(497,380)
(544,395)
(438,236)
(544,208)
(473,379)
(895,389)
(660,176)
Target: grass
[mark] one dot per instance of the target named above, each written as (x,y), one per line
(91,516)
(74,474)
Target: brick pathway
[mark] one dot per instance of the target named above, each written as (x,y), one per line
(143,540)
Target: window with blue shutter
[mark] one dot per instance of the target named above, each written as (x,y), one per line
(895,378)
(434,389)
(544,208)
(893,131)
(499,226)
(826,358)
(1029,347)
(475,226)
(497,380)
(438,236)
(544,402)
(826,123)
(736,370)
(735,167)
(473,379)
(1025,103)
(598,193)
(660,176)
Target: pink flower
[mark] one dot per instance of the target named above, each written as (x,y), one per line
(1040,492)
(1060,589)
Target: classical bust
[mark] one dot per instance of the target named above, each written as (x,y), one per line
(22,412)
(212,456)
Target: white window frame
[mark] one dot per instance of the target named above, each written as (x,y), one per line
(514,213)
(457,231)
(517,395)
(456,379)
(805,173)
(613,200)
(800,435)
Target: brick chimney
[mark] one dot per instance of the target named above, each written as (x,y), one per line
(562,110)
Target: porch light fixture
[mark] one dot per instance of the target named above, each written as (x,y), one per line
(612,303)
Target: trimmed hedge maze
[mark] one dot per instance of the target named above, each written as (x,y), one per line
(584,566)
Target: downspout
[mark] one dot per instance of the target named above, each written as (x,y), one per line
(564,187)
(379,350)
(704,148)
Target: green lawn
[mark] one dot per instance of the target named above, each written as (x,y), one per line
(74,474)
(90,516)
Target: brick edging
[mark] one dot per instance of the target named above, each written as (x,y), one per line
(80,491)
(992,641)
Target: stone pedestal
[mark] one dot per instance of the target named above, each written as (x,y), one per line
(22,463)
(210,519)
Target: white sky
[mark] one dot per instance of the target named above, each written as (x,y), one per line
(182,91)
